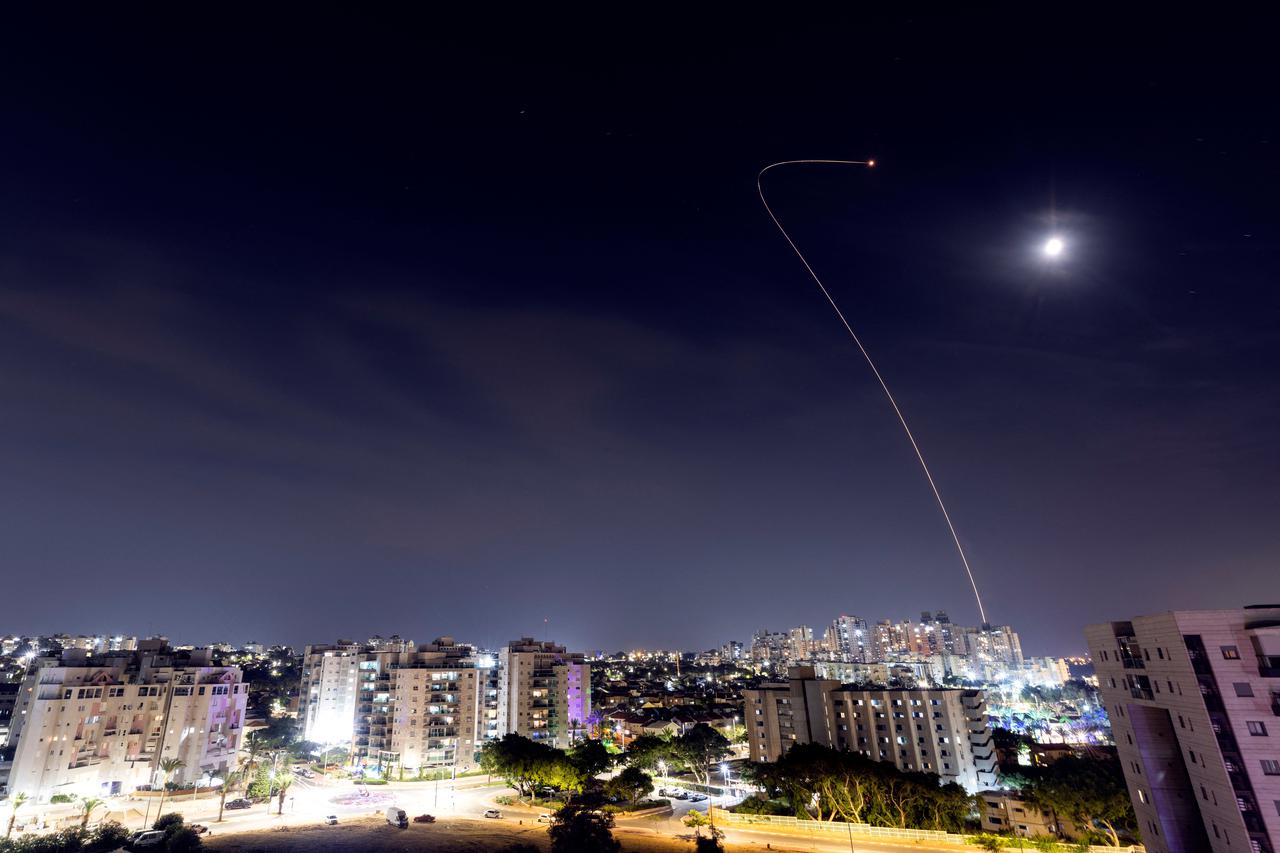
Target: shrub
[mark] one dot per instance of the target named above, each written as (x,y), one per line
(761,806)
(109,835)
(63,798)
(182,840)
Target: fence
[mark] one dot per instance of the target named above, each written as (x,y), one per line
(867,831)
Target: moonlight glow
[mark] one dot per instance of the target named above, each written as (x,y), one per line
(1053,247)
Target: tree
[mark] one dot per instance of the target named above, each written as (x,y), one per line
(167,822)
(631,785)
(708,843)
(591,757)
(695,819)
(699,748)
(1087,791)
(15,803)
(168,766)
(647,750)
(229,783)
(87,807)
(283,782)
(525,764)
(579,829)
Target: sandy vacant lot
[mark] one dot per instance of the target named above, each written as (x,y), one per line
(371,835)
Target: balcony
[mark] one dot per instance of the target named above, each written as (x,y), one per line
(1275,704)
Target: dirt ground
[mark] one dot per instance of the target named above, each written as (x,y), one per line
(371,835)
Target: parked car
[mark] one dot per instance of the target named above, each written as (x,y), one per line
(331,820)
(397,817)
(697,798)
(147,839)
(492,813)
(680,795)
(239,803)
(545,817)
(425,818)
(198,828)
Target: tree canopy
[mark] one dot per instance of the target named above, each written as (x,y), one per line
(1087,791)
(526,764)
(578,828)
(829,784)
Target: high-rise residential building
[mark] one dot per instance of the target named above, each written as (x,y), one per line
(327,702)
(800,645)
(96,725)
(400,710)
(942,731)
(769,650)
(544,692)
(993,646)
(1194,703)
(851,639)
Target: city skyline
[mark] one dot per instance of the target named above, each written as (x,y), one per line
(495,339)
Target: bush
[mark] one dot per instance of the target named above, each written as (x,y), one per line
(987,841)
(761,806)
(63,798)
(182,840)
(505,800)
(172,820)
(707,844)
(109,835)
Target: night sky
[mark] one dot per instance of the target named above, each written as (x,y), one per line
(327,325)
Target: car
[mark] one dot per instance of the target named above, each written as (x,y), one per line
(662,792)
(697,798)
(146,839)
(198,828)
(331,820)
(397,817)
(424,818)
(239,803)
(545,817)
(680,795)
(495,813)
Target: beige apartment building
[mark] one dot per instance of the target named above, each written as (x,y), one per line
(100,725)
(931,730)
(544,692)
(400,708)
(1194,702)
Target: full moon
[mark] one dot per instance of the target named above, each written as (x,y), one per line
(1053,247)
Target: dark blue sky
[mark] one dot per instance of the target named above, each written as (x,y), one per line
(326,325)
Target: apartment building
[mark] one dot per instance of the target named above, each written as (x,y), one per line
(1194,702)
(544,692)
(327,703)
(100,725)
(400,708)
(931,730)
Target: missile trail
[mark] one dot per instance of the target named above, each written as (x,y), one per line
(924,466)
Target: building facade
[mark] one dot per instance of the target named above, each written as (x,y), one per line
(100,725)
(544,692)
(1194,702)
(929,730)
(401,709)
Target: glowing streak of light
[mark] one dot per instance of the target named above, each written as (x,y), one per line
(924,466)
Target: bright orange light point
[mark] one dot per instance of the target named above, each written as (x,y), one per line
(871,162)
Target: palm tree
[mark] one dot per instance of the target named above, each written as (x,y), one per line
(15,804)
(230,781)
(168,766)
(254,745)
(87,807)
(284,781)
